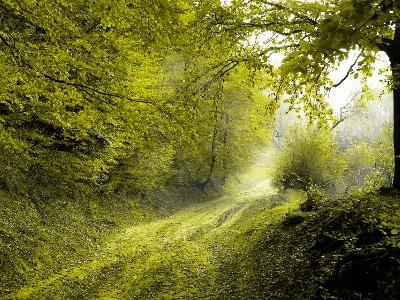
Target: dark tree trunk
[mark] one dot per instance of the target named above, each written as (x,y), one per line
(396,131)
(394,56)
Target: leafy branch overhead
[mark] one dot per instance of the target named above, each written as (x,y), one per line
(322,33)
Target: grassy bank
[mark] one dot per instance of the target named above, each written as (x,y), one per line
(38,239)
(252,243)
(346,249)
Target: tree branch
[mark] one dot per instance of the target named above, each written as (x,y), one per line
(74,84)
(343,116)
(86,87)
(218,75)
(348,72)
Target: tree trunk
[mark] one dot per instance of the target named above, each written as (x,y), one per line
(214,146)
(226,151)
(394,56)
(396,134)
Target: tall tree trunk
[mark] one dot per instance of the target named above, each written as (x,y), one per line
(394,56)
(226,151)
(214,146)
(396,131)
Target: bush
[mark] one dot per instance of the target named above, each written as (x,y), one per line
(360,159)
(315,198)
(310,157)
(370,165)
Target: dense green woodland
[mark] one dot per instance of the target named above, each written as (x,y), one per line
(148,150)
(121,98)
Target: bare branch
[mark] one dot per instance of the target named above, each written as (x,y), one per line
(224,64)
(217,76)
(343,116)
(348,72)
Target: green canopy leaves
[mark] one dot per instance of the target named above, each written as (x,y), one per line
(117,95)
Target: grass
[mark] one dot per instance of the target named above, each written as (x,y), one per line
(188,255)
(176,258)
(42,239)
(252,243)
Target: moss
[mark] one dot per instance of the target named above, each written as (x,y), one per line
(38,238)
(178,257)
(234,247)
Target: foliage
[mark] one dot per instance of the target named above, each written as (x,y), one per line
(336,248)
(231,116)
(129,97)
(95,99)
(390,225)
(316,198)
(313,37)
(360,159)
(370,166)
(67,96)
(310,159)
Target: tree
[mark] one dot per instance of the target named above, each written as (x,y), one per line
(79,80)
(314,37)
(227,123)
(113,96)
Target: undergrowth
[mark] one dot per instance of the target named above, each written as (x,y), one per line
(269,248)
(347,249)
(40,238)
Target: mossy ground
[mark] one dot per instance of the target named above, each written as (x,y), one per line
(177,257)
(252,243)
(39,239)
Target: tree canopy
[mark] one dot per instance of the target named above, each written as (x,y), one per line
(121,95)
(112,94)
(314,37)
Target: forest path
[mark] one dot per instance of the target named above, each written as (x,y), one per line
(177,257)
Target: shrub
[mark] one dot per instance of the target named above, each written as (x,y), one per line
(315,198)
(360,159)
(370,164)
(310,157)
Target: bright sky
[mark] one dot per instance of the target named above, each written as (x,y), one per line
(340,95)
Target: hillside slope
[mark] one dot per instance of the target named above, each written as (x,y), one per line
(252,243)
(179,256)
